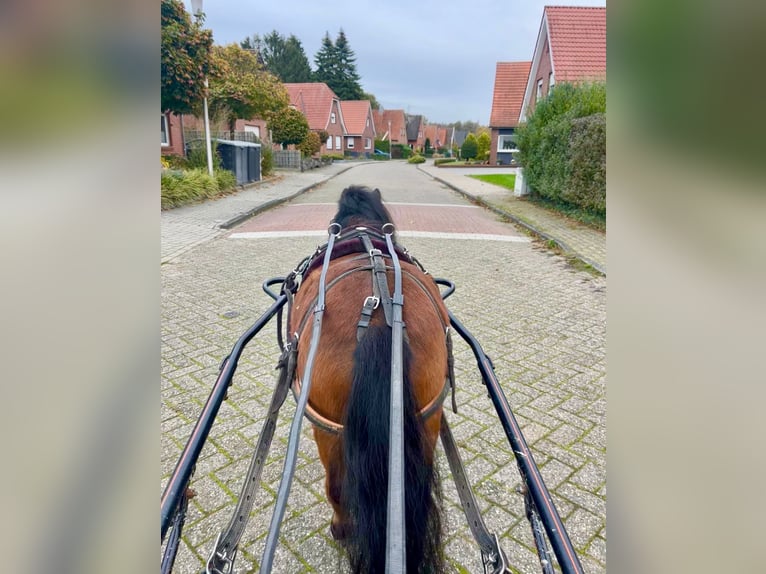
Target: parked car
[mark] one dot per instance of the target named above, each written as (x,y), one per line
(380,152)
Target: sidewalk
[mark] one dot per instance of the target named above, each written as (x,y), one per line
(573,238)
(185,227)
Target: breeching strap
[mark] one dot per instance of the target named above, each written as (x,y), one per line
(295,428)
(395,525)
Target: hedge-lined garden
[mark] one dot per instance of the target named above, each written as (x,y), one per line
(562,147)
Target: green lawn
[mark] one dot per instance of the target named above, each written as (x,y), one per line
(501,179)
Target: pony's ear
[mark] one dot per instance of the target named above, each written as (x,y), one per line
(376,191)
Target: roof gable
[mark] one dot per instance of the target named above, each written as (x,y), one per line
(355,115)
(510,84)
(314,100)
(577,37)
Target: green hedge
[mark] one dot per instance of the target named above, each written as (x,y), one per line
(441,160)
(565,159)
(382,145)
(403,152)
(180,188)
(416,159)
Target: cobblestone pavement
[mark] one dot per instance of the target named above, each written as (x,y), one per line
(185,227)
(543,324)
(580,240)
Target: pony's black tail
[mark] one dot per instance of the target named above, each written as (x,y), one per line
(365,485)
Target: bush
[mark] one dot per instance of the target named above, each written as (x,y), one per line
(554,168)
(196,157)
(267,160)
(225,179)
(178,162)
(443,160)
(333,156)
(185,187)
(310,145)
(416,159)
(383,145)
(587,164)
(469,148)
(401,150)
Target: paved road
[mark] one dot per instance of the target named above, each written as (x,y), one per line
(541,322)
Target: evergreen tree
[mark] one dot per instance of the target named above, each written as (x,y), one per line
(326,63)
(336,67)
(349,87)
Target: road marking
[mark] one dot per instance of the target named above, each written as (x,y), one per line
(420,234)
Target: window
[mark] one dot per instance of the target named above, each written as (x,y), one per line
(253,130)
(368,122)
(332,118)
(164,131)
(551,82)
(350,143)
(329,142)
(367,143)
(505,144)
(539,88)
(337,143)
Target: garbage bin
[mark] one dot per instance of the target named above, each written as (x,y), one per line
(243,159)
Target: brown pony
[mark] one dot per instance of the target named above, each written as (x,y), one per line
(351,387)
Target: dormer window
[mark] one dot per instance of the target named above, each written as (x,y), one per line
(368,122)
(539,88)
(332,118)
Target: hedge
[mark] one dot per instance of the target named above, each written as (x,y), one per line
(562,147)
(416,159)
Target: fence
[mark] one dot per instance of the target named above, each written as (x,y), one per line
(287,158)
(195,135)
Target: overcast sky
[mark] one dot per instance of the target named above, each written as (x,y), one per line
(435,58)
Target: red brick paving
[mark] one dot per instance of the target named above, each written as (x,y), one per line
(313,217)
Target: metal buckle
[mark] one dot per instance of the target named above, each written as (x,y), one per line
(217,558)
(374,300)
(495,560)
(374,252)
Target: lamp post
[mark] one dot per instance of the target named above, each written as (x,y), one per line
(197,9)
(390,148)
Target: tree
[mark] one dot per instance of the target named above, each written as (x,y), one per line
(288,127)
(374,104)
(185,59)
(470,147)
(310,145)
(286,59)
(336,67)
(241,88)
(483,142)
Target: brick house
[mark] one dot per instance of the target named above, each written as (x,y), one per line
(398,125)
(172,134)
(323,112)
(510,84)
(571,48)
(415,136)
(436,136)
(360,127)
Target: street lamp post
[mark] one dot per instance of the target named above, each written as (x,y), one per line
(197,9)
(390,147)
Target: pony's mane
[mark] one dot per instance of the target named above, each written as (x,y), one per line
(360,205)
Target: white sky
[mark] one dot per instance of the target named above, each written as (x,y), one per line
(429,57)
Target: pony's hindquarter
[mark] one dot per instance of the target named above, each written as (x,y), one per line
(365,457)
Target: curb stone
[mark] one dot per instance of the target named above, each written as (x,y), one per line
(531,228)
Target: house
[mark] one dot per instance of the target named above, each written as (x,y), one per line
(172,134)
(436,136)
(393,119)
(456,137)
(323,112)
(510,84)
(571,48)
(360,127)
(415,138)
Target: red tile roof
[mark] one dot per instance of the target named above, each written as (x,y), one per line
(510,83)
(577,36)
(314,100)
(398,125)
(436,135)
(355,113)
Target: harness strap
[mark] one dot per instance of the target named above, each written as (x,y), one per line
(221,560)
(492,555)
(272,538)
(380,276)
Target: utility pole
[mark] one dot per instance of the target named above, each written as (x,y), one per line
(197,9)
